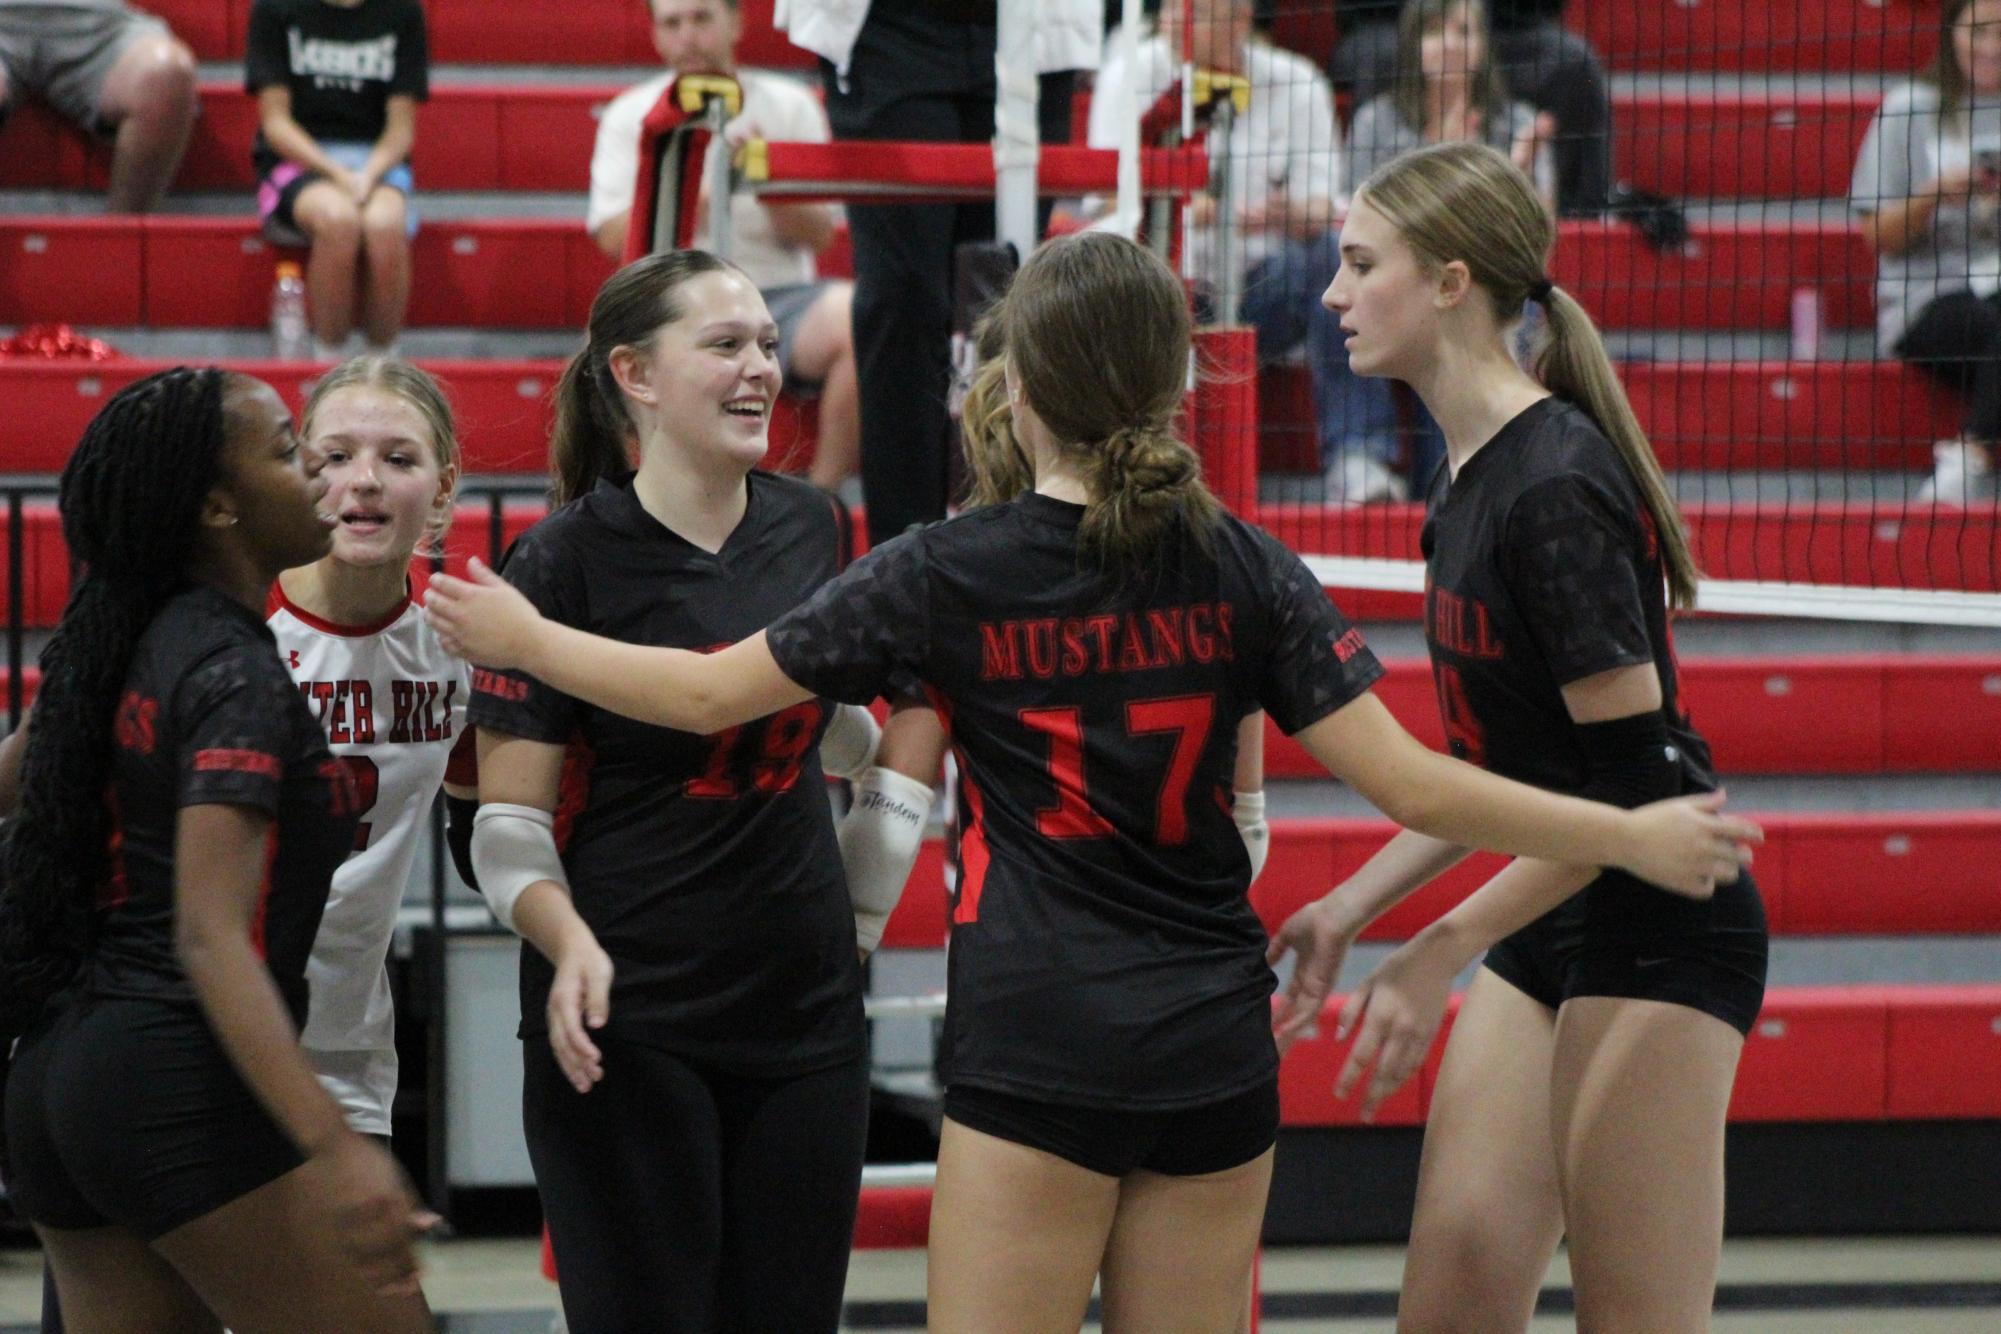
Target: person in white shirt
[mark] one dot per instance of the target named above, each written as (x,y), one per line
(391,699)
(1285,185)
(774,243)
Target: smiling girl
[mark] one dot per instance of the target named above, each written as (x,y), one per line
(696,1082)
(391,701)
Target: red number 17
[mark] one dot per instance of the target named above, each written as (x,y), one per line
(1187,716)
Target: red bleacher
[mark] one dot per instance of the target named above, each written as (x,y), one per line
(522,273)
(500,137)
(1815,1054)
(1753,35)
(1876,873)
(1760,36)
(513,32)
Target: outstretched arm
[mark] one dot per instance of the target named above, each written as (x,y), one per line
(487,622)
(1684,845)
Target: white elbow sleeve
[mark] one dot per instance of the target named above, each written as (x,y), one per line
(1248,810)
(513,847)
(879,841)
(848,748)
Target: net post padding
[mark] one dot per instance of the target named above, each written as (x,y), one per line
(673,147)
(1223,414)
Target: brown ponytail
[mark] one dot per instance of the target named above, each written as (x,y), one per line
(592,437)
(1467,202)
(1096,329)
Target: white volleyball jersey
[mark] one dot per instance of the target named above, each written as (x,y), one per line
(392,702)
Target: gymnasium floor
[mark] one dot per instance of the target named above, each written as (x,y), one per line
(1905,1285)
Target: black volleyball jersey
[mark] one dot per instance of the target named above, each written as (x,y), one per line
(706,865)
(209,716)
(1543,567)
(1104,952)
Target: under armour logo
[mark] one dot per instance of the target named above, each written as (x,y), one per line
(295,659)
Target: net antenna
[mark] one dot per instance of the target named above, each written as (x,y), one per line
(1125,218)
(1017,136)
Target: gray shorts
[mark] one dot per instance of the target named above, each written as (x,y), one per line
(788,305)
(64,53)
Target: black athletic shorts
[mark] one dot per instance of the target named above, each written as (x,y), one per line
(127,1112)
(1620,937)
(1190,1142)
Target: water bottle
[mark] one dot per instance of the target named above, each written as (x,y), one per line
(291,336)
(1809,323)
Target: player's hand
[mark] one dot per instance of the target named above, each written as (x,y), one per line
(481,617)
(1688,846)
(376,1214)
(1318,939)
(579,1003)
(1397,1009)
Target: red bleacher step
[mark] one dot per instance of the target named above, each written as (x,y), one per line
(512,32)
(538,137)
(1840,713)
(1760,37)
(542,272)
(1722,416)
(1814,1054)
(1885,873)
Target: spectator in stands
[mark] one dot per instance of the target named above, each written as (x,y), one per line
(775,243)
(1927,191)
(1545,64)
(1446,89)
(921,70)
(115,72)
(337,84)
(1285,176)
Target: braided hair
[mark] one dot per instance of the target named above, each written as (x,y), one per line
(131,498)
(1097,332)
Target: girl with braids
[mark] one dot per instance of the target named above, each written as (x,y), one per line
(180,816)
(1586,1080)
(696,1078)
(389,697)
(1111,1079)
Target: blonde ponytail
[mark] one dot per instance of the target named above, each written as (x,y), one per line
(1468,202)
(1572,365)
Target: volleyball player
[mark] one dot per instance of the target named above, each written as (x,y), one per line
(1585,1085)
(389,698)
(1111,1078)
(697,1084)
(180,818)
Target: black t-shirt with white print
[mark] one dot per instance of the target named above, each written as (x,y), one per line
(706,866)
(209,716)
(1104,952)
(342,65)
(1543,567)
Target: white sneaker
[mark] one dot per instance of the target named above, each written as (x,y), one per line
(1356,478)
(1962,474)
